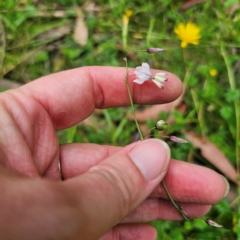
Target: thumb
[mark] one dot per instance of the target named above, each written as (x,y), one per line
(115,187)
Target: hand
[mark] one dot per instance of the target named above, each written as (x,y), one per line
(106,188)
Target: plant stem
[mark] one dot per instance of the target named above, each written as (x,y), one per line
(150,29)
(173,202)
(232,83)
(198,107)
(131,102)
(142,138)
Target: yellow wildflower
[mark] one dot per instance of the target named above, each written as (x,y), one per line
(128,12)
(189,33)
(125,19)
(126,16)
(213,72)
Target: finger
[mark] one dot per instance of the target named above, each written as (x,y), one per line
(115,187)
(191,183)
(130,232)
(72,95)
(14,150)
(24,125)
(160,209)
(76,159)
(186,182)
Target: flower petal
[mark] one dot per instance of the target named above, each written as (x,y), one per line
(188,33)
(140,81)
(184,44)
(159,84)
(143,72)
(159,79)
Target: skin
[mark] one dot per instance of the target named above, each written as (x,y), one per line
(103,195)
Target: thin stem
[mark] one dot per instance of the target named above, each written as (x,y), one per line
(149,131)
(141,138)
(150,29)
(198,107)
(131,102)
(227,61)
(232,83)
(173,202)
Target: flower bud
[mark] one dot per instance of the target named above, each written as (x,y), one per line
(161,125)
(178,140)
(212,223)
(154,50)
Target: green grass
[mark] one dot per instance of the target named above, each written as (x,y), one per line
(33,44)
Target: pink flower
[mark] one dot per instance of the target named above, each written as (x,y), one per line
(154,50)
(177,139)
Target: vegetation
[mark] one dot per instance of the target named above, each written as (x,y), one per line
(42,37)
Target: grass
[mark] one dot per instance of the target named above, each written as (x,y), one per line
(36,39)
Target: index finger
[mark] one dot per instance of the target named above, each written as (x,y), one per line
(71,96)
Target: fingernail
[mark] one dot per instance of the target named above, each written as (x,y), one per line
(227,186)
(151,157)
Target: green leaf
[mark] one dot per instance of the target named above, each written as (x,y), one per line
(226,112)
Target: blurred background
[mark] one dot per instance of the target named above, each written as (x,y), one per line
(202,45)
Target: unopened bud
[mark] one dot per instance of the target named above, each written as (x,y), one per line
(212,223)
(161,125)
(154,50)
(178,140)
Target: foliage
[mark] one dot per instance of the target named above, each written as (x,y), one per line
(36,38)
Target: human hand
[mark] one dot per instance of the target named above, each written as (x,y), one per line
(105,186)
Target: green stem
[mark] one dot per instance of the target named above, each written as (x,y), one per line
(150,29)
(131,102)
(198,107)
(227,61)
(173,202)
(142,138)
(232,83)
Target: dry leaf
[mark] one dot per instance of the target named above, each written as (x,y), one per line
(55,13)
(20,59)
(191,3)
(8,84)
(214,155)
(80,34)
(55,32)
(91,7)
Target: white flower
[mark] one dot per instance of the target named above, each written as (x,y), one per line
(143,73)
(159,79)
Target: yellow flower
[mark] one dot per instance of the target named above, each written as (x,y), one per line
(189,33)
(128,12)
(213,72)
(126,16)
